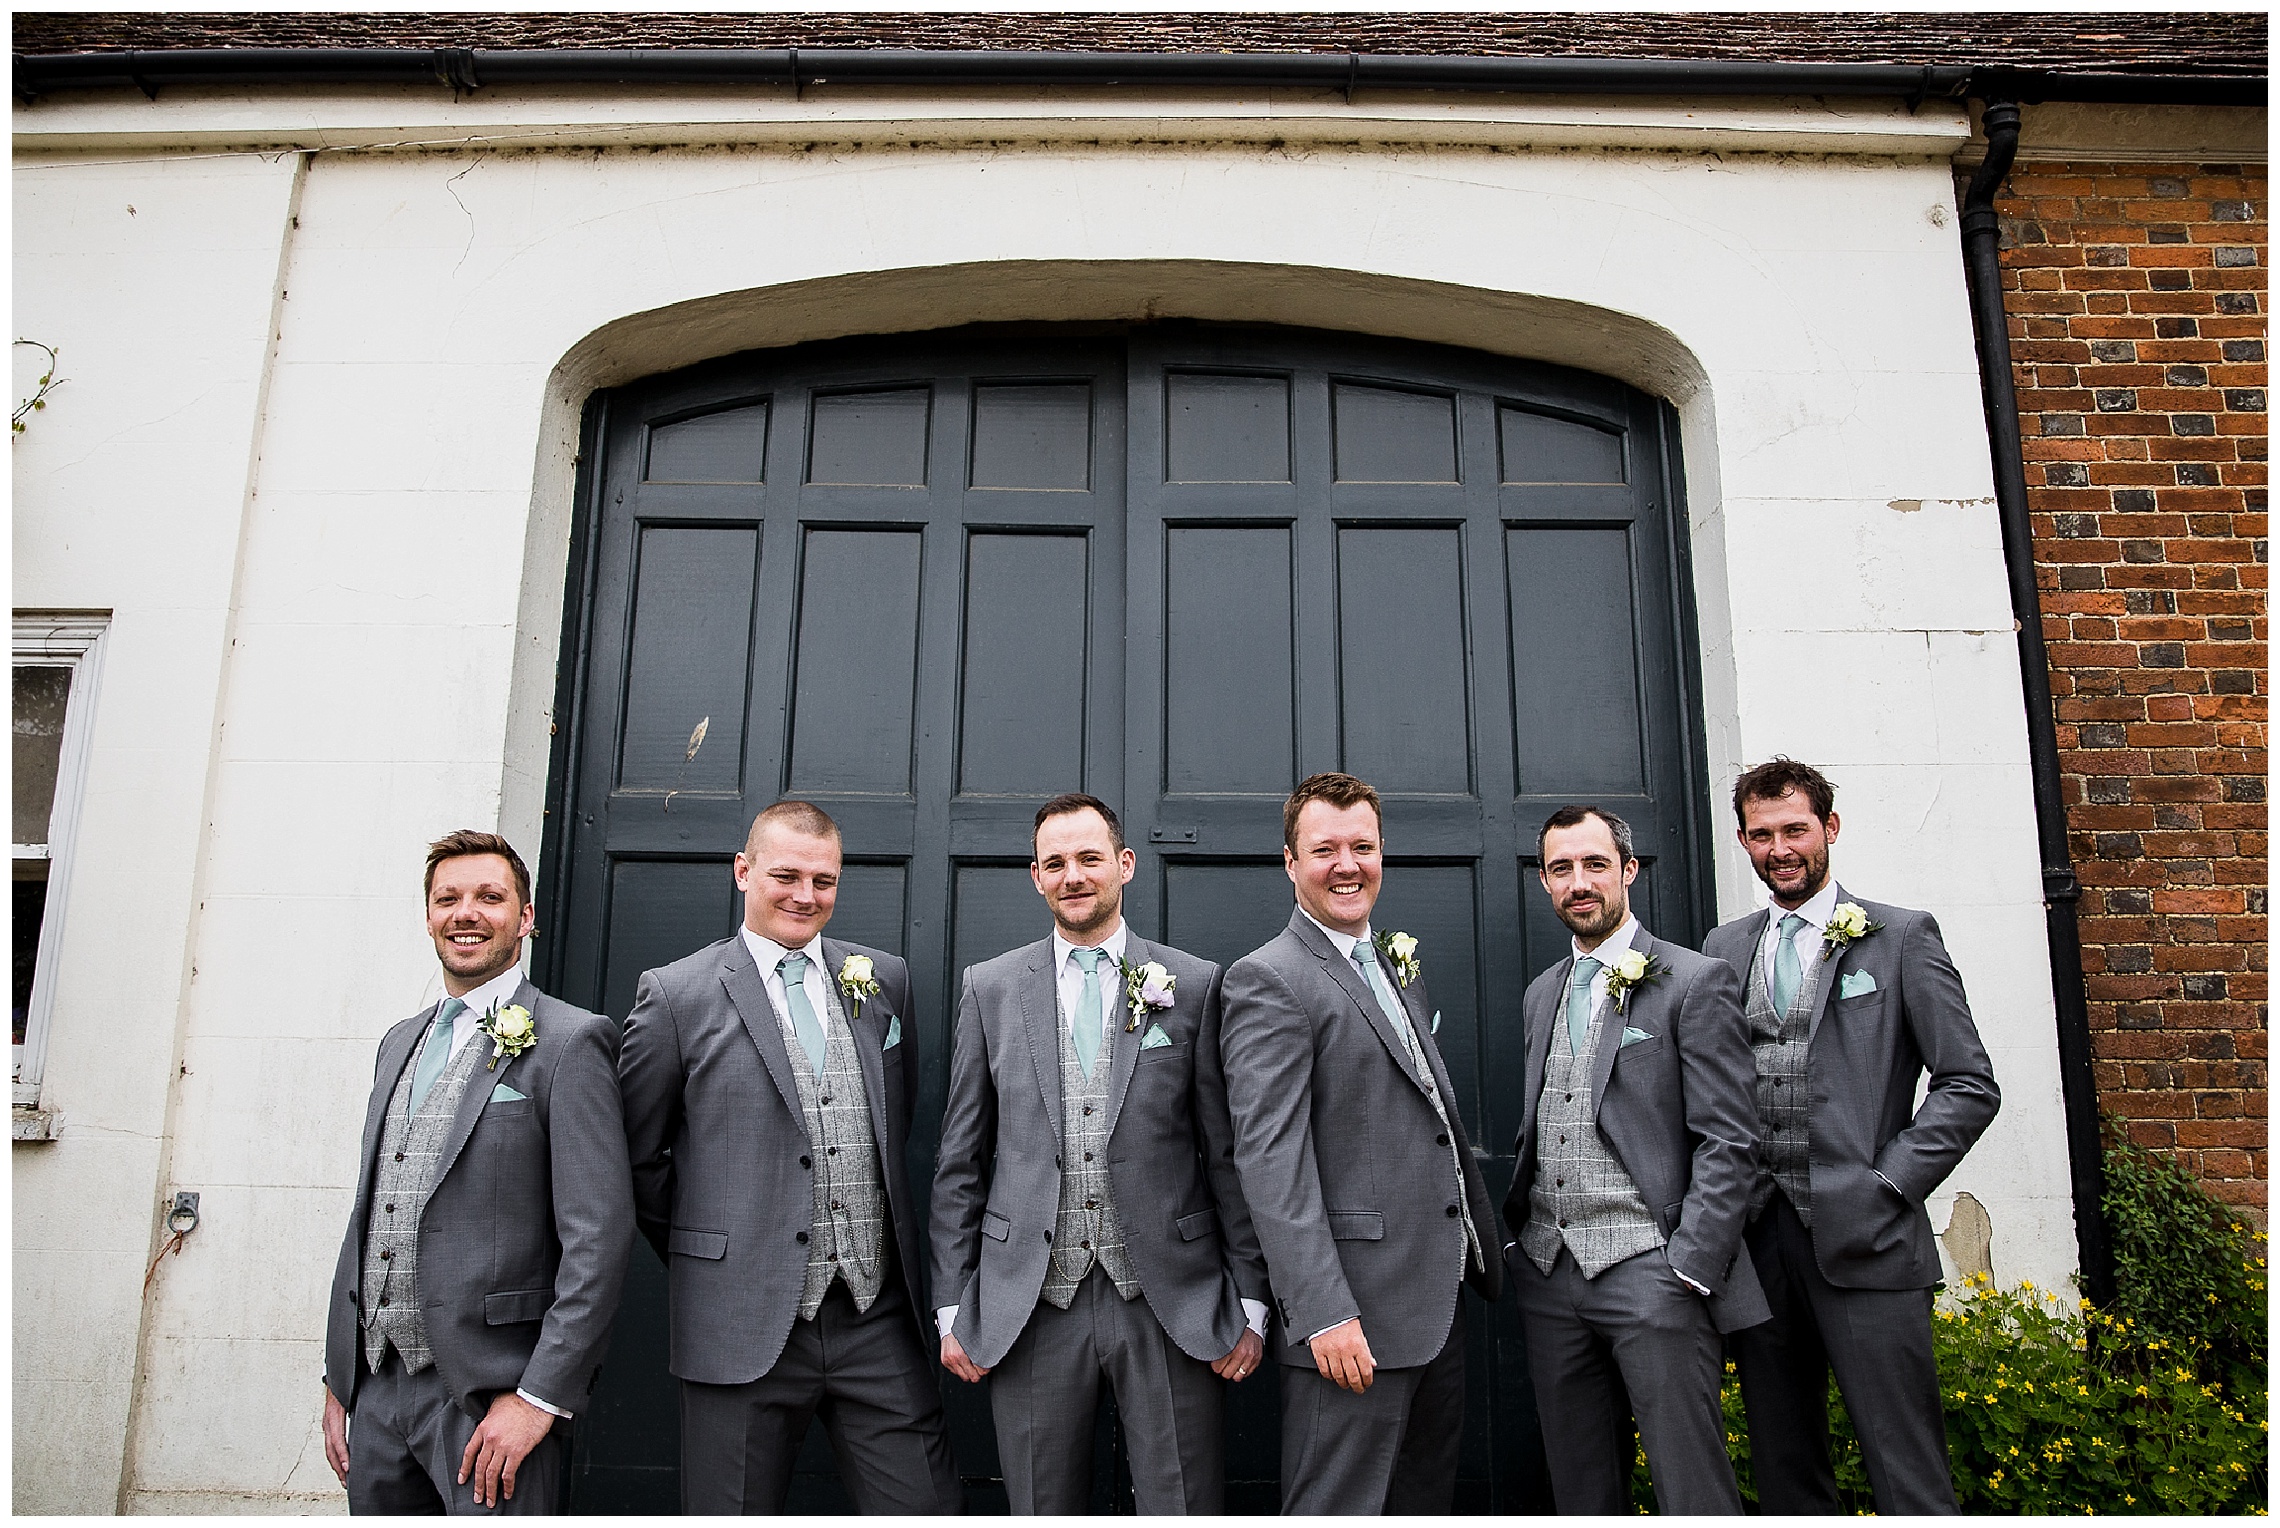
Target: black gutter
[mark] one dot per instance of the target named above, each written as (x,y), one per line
(2078,1084)
(467,69)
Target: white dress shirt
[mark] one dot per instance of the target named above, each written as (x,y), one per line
(1069,987)
(767,954)
(467,1025)
(1817,910)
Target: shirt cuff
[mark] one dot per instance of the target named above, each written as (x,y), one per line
(943,1318)
(1333,1326)
(1690,1283)
(1255,1317)
(550,1410)
(1888,1183)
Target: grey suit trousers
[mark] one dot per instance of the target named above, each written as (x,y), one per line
(406,1438)
(1634,1331)
(1391,1450)
(1045,1391)
(876,1392)
(1879,1341)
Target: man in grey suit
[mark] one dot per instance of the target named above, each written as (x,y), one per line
(1849,1004)
(1087,1218)
(768,1084)
(1368,1204)
(1636,1151)
(493,1216)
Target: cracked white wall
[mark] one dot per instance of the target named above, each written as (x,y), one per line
(396,609)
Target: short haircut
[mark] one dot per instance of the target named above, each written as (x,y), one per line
(468,841)
(794,817)
(1778,776)
(1332,789)
(1574,816)
(1070,802)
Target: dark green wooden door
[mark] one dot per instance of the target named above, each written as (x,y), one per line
(930,581)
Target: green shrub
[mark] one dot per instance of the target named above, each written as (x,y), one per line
(2156,1405)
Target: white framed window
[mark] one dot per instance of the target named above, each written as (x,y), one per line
(57,659)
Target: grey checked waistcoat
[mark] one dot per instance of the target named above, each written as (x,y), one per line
(1087,1229)
(1784,1102)
(410,1143)
(847,1237)
(1581,1196)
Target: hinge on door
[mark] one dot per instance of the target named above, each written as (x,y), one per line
(1171,835)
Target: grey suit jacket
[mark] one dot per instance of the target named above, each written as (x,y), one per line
(1171,1162)
(1341,1155)
(1678,1110)
(1862,1064)
(721,1160)
(528,1226)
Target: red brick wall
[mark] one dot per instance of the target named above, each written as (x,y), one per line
(2137,300)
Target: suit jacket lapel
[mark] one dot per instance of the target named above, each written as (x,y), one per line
(479,1085)
(395,1051)
(1538,1028)
(1041,1019)
(868,1033)
(1340,964)
(748,993)
(1832,970)
(1611,1023)
(1123,1043)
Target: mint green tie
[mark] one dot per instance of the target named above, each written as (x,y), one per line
(1786,974)
(1085,1029)
(1366,959)
(1579,1002)
(804,1026)
(437,1053)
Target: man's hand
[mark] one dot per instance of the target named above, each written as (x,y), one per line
(955,1360)
(1242,1358)
(1342,1356)
(505,1436)
(336,1436)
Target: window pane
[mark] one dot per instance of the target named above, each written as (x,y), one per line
(40,696)
(31,903)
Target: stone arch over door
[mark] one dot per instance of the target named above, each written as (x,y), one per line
(930,579)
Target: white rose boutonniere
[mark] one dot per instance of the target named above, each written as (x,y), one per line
(512,1031)
(1400,952)
(1147,987)
(856,980)
(1632,969)
(1848,923)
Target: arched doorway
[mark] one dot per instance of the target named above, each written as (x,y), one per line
(929,580)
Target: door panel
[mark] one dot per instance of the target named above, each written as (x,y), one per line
(929,581)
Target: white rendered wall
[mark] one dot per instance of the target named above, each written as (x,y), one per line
(399,598)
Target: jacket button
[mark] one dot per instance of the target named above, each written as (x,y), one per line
(383,1299)
(1088,1108)
(1452,1212)
(1563,1140)
(387,1257)
(1086,1245)
(399,1156)
(1560,1183)
(391,1209)
(1048,1236)
(1441,1140)
(835,1257)
(1563,1225)
(1056,1164)
(827,1100)
(1092,1204)
(1088,1158)
(801,1237)
(831,1151)
(835,1204)
(1569,1097)
(807,1161)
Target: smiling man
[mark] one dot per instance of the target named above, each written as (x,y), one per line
(1636,1150)
(768,1086)
(493,1217)
(1368,1204)
(1088,1223)
(1849,1004)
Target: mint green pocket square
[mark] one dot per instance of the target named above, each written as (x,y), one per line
(894,1032)
(1634,1036)
(1154,1037)
(1436,1021)
(1855,983)
(502,1094)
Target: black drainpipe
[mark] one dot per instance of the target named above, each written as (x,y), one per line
(2061,891)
